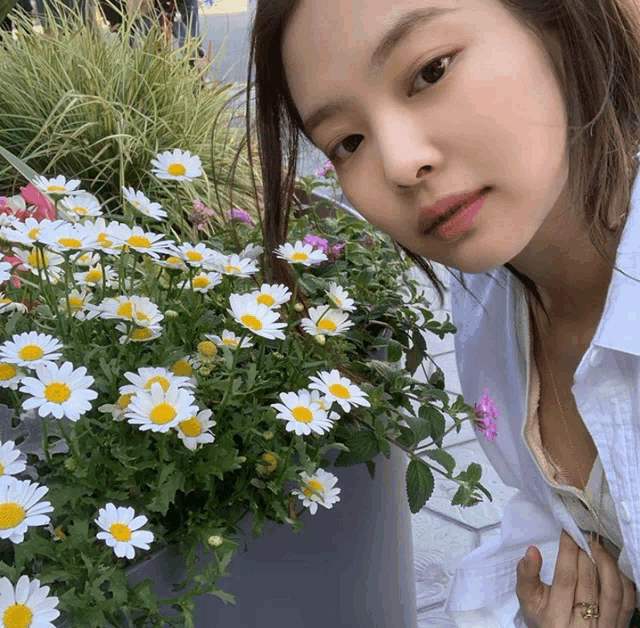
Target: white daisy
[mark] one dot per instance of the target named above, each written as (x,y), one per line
(48,263)
(272,296)
(340,389)
(176,166)
(122,530)
(69,238)
(29,232)
(198,255)
(5,271)
(302,414)
(300,253)
(149,375)
(57,187)
(340,297)
(9,463)
(172,262)
(326,321)
(325,404)
(77,302)
(7,305)
(10,375)
(158,410)
(19,507)
(78,206)
(143,204)
(87,259)
(93,276)
(318,489)
(202,282)
(31,349)
(28,600)
(61,391)
(255,317)
(234,265)
(104,234)
(230,340)
(184,367)
(118,408)
(142,241)
(138,334)
(140,310)
(193,431)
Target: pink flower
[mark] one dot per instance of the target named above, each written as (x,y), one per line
(200,214)
(45,207)
(327,167)
(486,416)
(317,242)
(335,251)
(239,215)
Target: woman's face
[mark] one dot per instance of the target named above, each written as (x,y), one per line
(489,113)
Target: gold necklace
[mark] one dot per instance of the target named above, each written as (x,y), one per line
(591,610)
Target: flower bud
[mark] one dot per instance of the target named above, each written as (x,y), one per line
(215,540)
(298,307)
(257,483)
(241,459)
(267,435)
(70,463)
(204,371)
(207,348)
(171,314)
(320,339)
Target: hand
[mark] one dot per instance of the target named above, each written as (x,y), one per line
(546,606)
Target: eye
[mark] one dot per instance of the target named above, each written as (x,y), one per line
(432,71)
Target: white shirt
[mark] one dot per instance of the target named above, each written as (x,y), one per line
(493,351)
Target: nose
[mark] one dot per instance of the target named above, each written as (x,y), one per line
(406,153)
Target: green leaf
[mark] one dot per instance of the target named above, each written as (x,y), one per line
(443,457)
(415,356)
(363,446)
(371,468)
(28,173)
(420,484)
(474,472)
(394,349)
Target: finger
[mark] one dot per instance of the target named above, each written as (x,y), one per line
(565,578)
(611,591)
(587,587)
(532,594)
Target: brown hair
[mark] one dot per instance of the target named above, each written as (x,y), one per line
(601,61)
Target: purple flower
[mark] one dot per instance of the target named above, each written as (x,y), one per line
(200,214)
(317,242)
(240,215)
(327,167)
(486,416)
(335,251)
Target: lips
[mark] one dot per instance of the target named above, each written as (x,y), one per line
(431,217)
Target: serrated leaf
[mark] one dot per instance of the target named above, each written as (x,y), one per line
(443,457)
(363,446)
(474,472)
(415,356)
(420,483)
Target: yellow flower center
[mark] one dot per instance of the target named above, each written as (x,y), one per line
(104,241)
(314,485)
(141,316)
(57,392)
(80,210)
(172,259)
(123,400)
(194,256)
(163,413)
(266,299)
(271,460)
(302,414)
(125,309)
(206,347)
(35,259)
(17,616)
(160,379)
(3,300)
(70,243)
(31,352)
(182,367)
(1,468)
(11,514)
(251,322)
(56,189)
(232,269)
(298,257)
(142,333)
(338,390)
(95,274)
(177,170)
(139,241)
(33,233)
(327,324)
(120,531)
(76,303)
(337,301)
(191,427)
(7,371)
(200,282)
(230,341)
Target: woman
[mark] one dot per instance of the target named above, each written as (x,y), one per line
(531,110)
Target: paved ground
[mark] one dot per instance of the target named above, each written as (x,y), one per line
(441,532)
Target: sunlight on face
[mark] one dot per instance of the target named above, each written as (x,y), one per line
(467,100)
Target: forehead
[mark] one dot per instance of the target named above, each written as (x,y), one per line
(327,41)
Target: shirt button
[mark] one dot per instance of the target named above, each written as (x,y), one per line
(625,515)
(596,357)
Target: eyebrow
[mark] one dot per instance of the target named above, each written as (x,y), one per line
(401,29)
